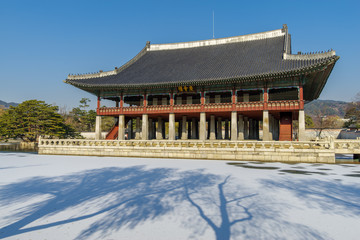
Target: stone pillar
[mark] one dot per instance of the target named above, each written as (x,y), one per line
(208,129)
(271,127)
(202,130)
(172,126)
(151,128)
(179,130)
(193,128)
(159,131)
(131,130)
(227,129)
(121,133)
(251,129)
(241,127)
(137,130)
(98,128)
(246,128)
(256,132)
(145,127)
(197,129)
(276,128)
(219,128)
(163,129)
(234,126)
(189,130)
(212,127)
(184,135)
(266,132)
(301,125)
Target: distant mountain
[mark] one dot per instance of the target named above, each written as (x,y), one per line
(7,105)
(326,108)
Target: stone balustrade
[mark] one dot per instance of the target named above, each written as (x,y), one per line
(305,151)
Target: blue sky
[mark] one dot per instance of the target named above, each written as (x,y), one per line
(43,41)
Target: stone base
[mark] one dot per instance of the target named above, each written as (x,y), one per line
(251,151)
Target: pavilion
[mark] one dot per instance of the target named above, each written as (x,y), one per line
(225,88)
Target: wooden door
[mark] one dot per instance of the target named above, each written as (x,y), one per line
(285,126)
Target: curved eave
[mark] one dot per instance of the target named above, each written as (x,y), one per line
(255,77)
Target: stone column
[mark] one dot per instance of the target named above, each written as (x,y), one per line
(219,128)
(227,129)
(131,130)
(172,126)
(189,130)
(208,130)
(159,135)
(241,127)
(212,127)
(271,126)
(145,127)
(266,133)
(179,130)
(256,129)
(246,128)
(276,128)
(163,129)
(197,129)
(193,128)
(251,129)
(121,133)
(151,128)
(202,130)
(301,125)
(98,128)
(184,135)
(137,131)
(234,126)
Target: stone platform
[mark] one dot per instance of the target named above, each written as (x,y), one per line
(312,152)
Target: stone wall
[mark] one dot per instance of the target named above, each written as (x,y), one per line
(195,149)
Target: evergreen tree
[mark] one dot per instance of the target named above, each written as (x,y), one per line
(31,119)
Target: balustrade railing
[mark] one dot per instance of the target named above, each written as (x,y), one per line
(236,145)
(208,107)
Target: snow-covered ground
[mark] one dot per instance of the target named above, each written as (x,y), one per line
(69,197)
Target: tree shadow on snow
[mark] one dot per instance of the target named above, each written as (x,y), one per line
(330,196)
(127,197)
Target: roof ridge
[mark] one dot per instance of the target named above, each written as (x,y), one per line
(218,41)
(309,56)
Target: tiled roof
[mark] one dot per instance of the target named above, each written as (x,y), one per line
(229,58)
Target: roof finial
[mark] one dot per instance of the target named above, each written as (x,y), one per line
(148,44)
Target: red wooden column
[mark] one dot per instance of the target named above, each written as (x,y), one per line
(266,99)
(172,101)
(145,101)
(301,96)
(233,99)
(202,100)
(98,105)
(121,103)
